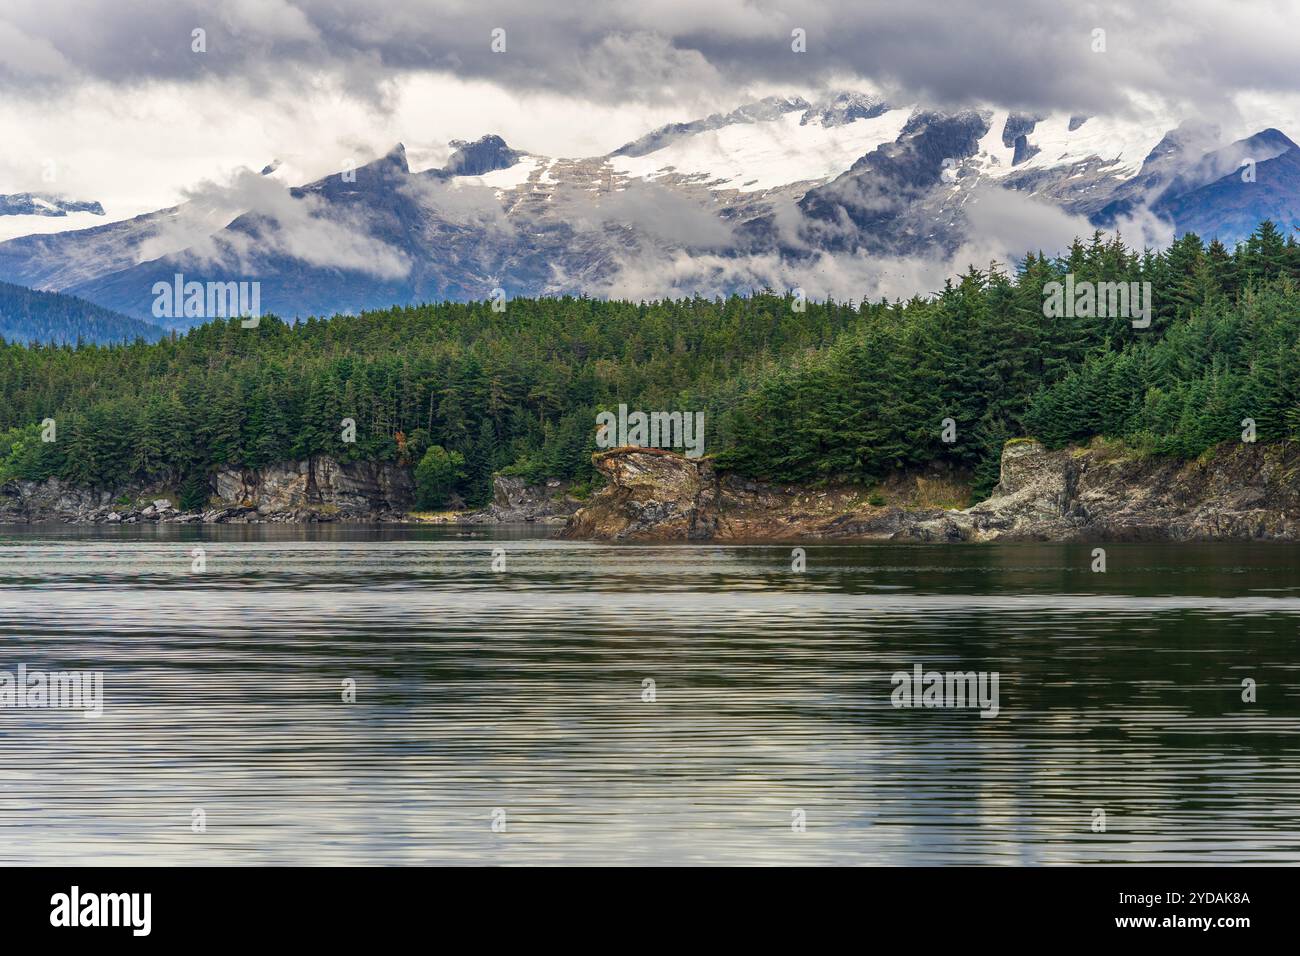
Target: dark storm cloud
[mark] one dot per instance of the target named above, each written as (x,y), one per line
(1029,54)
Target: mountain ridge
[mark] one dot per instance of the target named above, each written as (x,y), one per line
(699,205)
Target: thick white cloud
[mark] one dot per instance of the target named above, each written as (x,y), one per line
(305,229)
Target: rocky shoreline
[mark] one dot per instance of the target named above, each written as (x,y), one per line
(1103,492)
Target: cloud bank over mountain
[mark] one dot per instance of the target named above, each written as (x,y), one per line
(1027,54)
(111,101)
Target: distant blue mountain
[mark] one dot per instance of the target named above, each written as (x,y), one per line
(1231,206)
(1178,167)
(30,316)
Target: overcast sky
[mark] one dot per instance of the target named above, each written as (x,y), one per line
(111,96)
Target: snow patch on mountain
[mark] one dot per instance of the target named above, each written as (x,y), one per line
(757,156)
(993,154)
(508,178)
(34,204)
(1125,143)
(760,111)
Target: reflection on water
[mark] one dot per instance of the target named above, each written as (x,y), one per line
(522,690)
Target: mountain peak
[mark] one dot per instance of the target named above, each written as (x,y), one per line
(395,157)
(353,179)
(484,155)
(1272,137)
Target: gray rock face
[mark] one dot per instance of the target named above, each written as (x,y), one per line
(887,195)
(1016,133)
(320,484)
(652,494)
(318,489)
(49,500)
(1034,492)
(515,500)
(1024,151)
(482,156)
(1018,125)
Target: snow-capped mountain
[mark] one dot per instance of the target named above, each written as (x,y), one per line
(34,204)
(782,191)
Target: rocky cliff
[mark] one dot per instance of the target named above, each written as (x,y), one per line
(316,489)
(1102,492)
(321,486)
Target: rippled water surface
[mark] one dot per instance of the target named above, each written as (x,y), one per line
(522,690)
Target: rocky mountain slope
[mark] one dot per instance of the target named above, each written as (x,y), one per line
(1098,493)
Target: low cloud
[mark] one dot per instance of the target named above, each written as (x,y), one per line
(656,211)
(460,203)
(1005,224)
(1001,227)
(843,277)
(274,223)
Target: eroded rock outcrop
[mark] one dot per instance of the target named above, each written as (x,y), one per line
(651,494)
(1102,492)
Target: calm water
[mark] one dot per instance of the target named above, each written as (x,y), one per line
(522,690)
